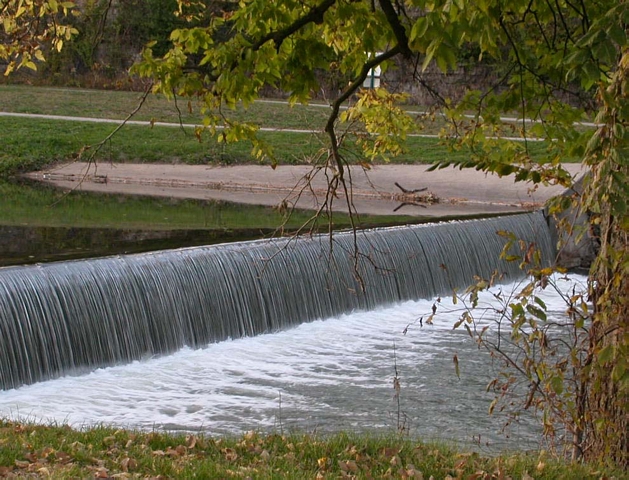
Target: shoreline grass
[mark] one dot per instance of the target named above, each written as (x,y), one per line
(58,452)
(31,143)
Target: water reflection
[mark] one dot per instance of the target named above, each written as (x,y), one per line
(26,244)
(39,223)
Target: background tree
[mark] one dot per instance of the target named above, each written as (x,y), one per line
(27,26)
(110,34)
(557,63)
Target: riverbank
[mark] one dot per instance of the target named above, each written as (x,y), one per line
(377,191)
(58,452)
(43,126)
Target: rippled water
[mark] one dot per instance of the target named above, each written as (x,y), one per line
(321,376)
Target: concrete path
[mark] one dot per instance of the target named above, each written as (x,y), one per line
(142,123)
(461,192)
(145,123)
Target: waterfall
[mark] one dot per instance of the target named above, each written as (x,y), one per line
(75,316)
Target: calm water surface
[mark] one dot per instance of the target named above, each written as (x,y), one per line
(40,223)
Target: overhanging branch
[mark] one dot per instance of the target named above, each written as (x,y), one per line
(315,15)
(351,89)
(396,27)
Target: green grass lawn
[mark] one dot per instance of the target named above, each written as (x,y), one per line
(118,104)
(29,144)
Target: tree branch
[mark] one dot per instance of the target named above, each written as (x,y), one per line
(355,85)
(396,26)
(315,15)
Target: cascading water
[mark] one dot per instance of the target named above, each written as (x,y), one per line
(63,317)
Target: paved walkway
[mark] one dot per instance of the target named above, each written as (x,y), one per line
(145,123)
(461,192)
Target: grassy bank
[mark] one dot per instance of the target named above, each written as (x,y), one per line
(31,144)
(60,452)
(118,104)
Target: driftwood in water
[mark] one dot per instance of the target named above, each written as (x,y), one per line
(414,197)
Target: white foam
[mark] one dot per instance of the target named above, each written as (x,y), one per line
(326,375)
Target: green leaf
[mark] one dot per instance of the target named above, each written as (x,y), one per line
(536,312)
(430,53)
(556,383)
(606,355)
(618,34)
(578,57)
(505,169)
(619,205)
(517,310)
(590,75)
(419,29)
(606,52)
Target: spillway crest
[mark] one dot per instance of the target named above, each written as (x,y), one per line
(76,316)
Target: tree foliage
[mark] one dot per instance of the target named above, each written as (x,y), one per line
(28,26)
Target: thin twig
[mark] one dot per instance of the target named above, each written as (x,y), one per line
(97,147)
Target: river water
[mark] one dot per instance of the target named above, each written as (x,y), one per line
(324,376)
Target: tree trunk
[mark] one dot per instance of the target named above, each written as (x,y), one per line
(606,416)
(607,408)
